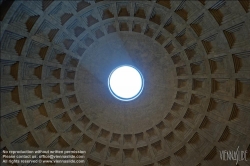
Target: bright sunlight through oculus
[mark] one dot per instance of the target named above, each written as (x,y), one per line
(125,83)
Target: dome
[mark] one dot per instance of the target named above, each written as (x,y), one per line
(194,59)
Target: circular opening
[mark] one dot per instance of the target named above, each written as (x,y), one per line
(125,83)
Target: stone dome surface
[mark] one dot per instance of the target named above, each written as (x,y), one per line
(56,57)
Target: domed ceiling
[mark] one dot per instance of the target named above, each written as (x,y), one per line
(56,57)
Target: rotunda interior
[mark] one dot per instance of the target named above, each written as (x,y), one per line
(56,57)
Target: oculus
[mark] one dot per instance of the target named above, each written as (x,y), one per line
(125,83)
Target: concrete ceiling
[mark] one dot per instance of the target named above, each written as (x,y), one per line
(195,58)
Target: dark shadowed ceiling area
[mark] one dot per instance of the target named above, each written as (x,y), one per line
(56,57)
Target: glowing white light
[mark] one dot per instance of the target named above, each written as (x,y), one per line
(125,83)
